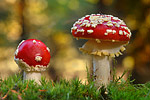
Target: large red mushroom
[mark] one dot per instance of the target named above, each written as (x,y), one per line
(33,57)
(107,35)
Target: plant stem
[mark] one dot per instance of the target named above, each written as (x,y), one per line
(101,70)
(32,76)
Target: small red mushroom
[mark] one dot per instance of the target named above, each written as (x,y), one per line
(107,35)
(32,56)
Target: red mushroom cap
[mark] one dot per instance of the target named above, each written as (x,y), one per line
(102,27)
(33,54)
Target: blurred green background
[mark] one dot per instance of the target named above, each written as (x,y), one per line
(51,20)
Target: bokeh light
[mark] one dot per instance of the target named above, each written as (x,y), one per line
(51,20)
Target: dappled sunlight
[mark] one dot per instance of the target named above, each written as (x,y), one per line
(128,62)
(34,12)
(7,64)
(51,20)
(67,60)
(13,33)
(131,22)
(11,1)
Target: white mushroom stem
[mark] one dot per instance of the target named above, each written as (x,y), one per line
(36,76)
(31,72)
(101,70)
(101,52)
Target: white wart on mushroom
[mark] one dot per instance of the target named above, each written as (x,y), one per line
(86,26)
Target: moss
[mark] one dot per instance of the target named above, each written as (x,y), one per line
(14,88)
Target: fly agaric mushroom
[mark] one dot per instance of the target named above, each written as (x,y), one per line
(33,57)
(107,35)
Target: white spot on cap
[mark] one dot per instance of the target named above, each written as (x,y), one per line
(48,49)
(120,32)
(93,14)
(117,25)
(74,28)
(114,31)
(78,22)
(109,22)
(125,33)
(115,18)
(81,18)
(126,28)
(82,30)
(100,22)
(94,25)
(110,25)
(74,24)
(109,30)
(106,19)
(38,58)
(122,22)
(109,15)
(34,41)
(78,30)
(83,24)
(87,15)
(93,17)
(105,33)
(87,25)
(85,21)
(128,35)
(89,31)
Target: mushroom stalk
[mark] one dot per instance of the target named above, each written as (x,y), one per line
(107,35)
(36,76)
(102,52)
(101,70)
(33,57)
